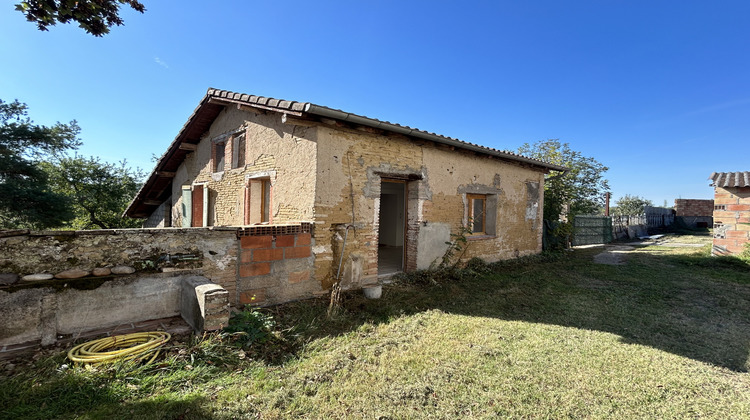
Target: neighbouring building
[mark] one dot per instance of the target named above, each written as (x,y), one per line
(387,196)
(694,213)
(731,211)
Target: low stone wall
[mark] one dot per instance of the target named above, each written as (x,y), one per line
(74,254)
(46,311)
(66,282)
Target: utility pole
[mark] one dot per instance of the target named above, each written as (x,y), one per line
(606,207)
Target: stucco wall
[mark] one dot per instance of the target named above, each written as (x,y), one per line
(351,166)
(284,153)
(518,211)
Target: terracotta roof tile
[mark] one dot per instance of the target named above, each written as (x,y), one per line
(730,179)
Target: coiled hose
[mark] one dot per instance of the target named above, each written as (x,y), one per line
(128,347)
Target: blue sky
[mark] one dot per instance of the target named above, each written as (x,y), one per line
(658,91)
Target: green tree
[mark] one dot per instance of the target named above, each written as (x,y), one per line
(580,190)
(99,192)
(26,199)
(94,16)
(631,205)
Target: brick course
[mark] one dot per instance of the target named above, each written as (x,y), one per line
(275,270)
(732,214)
(692,207)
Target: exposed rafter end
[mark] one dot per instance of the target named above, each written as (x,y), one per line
(152,202)
(218,101)
(190,147)
(165,174)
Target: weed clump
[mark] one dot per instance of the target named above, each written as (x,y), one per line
(251,326)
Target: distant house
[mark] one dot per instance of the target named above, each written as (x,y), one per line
(731,211)
(395,193)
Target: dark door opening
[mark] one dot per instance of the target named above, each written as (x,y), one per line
(391,232)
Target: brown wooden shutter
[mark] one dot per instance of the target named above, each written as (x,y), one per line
(197,206)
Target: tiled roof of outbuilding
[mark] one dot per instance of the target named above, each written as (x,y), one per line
(730,179)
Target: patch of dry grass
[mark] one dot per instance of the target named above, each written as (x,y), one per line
(664,336)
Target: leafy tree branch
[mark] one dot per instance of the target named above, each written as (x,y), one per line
(94,16)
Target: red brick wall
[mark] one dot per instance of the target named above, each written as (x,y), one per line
(689,207)
(275,269)
(731,220)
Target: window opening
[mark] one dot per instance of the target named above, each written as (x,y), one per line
(258,196)
(238,151)
(266,200)
(219,150)
(477,211)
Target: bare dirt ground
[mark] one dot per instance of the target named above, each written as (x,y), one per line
(615,254)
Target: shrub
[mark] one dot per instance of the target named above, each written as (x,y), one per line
(745,254)
(251,326)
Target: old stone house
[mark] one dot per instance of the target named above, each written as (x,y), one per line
(731,211)
(385,195)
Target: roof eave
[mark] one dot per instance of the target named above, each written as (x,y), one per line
(215,96)
(358,119)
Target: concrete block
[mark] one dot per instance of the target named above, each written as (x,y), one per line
(203,304)
(21,312)
(124,300)
(431,243)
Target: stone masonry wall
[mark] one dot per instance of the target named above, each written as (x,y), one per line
(213,252)
(59,281)
(284,154)
(731,220)
(351,166)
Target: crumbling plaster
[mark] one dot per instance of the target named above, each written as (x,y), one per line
(351,165)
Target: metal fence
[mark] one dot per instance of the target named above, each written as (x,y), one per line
(589,230)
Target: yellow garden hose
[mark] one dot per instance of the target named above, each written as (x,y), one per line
(127,347)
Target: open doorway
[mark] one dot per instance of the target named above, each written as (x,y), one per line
(391,232)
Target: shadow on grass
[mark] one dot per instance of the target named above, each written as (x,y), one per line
(71,394)
(690,305)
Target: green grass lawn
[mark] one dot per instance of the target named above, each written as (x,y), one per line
(666,335)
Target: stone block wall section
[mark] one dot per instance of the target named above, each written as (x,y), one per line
(69,282)
(211,251)
(731,220)
(272,263)
(693,208)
